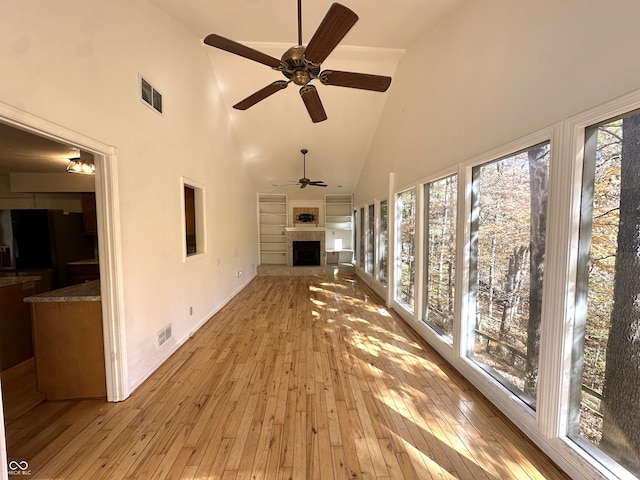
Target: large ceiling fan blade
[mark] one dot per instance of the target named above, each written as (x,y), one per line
(312,101)
(230,46)
(261,94)
(364,81)
(334,26)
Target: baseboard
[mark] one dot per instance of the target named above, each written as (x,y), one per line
(180,342)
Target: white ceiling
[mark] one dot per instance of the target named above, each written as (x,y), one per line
(272,132)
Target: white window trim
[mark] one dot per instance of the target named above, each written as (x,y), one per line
(434,337)
(398,306)
(520,413)
(563,233)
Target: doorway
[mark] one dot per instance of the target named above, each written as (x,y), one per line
(107,210)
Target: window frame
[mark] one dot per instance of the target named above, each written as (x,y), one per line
(517,410)
(370,235)
(384,283)
(409,312)
(575,132)
(424,261)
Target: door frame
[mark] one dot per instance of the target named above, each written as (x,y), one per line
(109,242)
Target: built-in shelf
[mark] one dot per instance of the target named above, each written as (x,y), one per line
(272,225)
(338,221)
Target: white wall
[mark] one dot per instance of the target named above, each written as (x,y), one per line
(496,70)
(76,63)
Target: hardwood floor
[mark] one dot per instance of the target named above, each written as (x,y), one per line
(302,377)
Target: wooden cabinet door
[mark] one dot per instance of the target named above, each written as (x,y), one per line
(89,217)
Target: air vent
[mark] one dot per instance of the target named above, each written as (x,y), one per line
(150,95)
(164,334)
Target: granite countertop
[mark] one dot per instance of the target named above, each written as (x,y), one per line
(89,261)
(8,281)
(82,292)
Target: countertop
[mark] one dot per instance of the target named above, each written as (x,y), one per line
(90,261)
(8,281)
(83,292)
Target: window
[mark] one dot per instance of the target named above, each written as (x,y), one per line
(354,235)
(606,382)
(383,241)
(406,224)
(371,246)
(193,218)
(440,249)
(509,198)
(362,238)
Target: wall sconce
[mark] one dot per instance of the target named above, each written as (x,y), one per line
(78,165)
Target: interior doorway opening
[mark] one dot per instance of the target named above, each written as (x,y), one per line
(108,234)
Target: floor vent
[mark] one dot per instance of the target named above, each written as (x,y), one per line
(150,95)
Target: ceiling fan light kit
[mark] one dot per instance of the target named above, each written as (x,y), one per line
(301,64)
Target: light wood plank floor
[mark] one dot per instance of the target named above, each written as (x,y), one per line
(302,377)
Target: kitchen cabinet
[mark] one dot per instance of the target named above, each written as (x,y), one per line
(83,271)
(15,322)
(68,342)
(89,216)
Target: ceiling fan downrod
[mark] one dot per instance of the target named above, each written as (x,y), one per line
(300,22)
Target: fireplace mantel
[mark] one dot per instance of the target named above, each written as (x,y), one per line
(304,229)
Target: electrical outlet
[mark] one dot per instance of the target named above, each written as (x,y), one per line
(190,311)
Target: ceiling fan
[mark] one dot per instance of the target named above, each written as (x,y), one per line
(304,181)
(301,64)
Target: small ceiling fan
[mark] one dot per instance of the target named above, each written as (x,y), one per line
(304,181)
(301,64)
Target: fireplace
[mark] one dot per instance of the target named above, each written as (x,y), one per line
(306,235)
(306,252)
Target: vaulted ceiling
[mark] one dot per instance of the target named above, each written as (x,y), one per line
(272,133)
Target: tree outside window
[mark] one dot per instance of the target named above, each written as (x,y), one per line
(371,245)
(440,252)
(606,383)
(383,241)
(406,207)
(509,208)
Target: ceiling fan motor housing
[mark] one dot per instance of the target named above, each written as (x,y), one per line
(297,69)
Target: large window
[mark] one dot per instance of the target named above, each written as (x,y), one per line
(406,224)
(440,250)
(509,198)
(361,226)
(383,241)
(606,383)
(371,245)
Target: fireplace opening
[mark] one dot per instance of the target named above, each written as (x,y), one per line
(306,253)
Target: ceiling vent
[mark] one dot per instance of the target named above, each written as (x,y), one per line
(150,95)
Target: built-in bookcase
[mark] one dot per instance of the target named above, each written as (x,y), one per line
(272,222)
(338,210)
